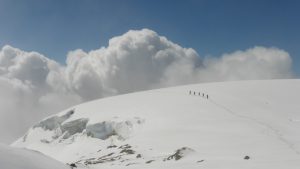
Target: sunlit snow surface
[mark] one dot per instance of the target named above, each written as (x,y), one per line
(249,124)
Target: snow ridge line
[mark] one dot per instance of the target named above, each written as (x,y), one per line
(275,131)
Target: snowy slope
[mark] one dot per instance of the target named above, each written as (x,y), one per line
(248,124)
(16,158)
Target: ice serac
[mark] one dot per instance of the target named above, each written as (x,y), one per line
(62,128)
(54,122)
(121,129)
(246,124)
(72,127)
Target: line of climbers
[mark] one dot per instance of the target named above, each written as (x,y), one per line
(198,93)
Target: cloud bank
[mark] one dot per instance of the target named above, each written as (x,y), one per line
(33,86)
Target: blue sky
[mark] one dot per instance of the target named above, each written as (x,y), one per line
(211,27)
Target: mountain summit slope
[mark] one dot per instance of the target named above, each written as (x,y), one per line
(247,124)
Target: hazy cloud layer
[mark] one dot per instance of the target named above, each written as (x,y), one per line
(33,86)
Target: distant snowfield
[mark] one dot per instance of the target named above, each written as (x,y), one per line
(16,158)
(247,124)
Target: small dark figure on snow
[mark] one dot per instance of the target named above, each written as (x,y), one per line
(203,94)
(199,94)
(190,92)
(207,96)
(194,93)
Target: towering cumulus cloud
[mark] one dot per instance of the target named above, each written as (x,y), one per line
(32,85)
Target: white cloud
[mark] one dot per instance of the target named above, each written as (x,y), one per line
(137,60)
(254,63)
(31,85)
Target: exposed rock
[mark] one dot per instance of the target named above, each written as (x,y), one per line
(126,146)
(246,158)
(127,151)
(139,156)
(112,146)
(180,153)
(150,161)
(73,165)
